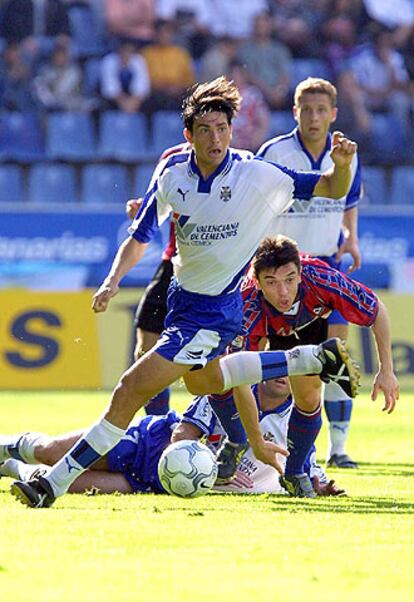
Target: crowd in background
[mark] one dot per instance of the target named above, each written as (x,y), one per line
(141,55)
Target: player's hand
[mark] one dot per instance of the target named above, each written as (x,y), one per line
(343,149)
(102,297)
(351,246)
(132,207)
(388,384)
(266,451)
(327,489)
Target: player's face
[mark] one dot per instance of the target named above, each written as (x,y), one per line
(276,389)
(280,286)
(210,138)
(314,115)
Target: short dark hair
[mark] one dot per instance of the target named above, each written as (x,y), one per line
(274,252)
(219,95)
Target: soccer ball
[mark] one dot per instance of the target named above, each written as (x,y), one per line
(187,469)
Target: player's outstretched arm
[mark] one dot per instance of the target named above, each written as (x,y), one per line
(335,183)
(385,379)
(129,253)
(265,451)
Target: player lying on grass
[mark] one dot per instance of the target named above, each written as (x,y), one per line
(222,205)
(286,296)
(131,466)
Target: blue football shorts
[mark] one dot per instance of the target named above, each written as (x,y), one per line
(198,328)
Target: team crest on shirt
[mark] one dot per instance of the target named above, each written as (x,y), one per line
(225,193)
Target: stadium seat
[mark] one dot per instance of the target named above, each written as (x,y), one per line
(374,186)
(21,137)
(123,136)
(303,68)
(281,122)
(387,139)
(52,183)
(91,76)
(142,178)
(70,137)
(11,184)
(86,30)
(167,130)
(105,184)
(402,186)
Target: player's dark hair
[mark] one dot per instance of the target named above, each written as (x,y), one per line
(219,95)
(274,252)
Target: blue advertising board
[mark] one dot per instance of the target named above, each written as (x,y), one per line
(68,250)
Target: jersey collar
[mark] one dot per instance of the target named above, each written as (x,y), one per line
(316,165)
(205,185)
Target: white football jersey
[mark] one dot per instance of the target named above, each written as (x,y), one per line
(315,225)
(219,222)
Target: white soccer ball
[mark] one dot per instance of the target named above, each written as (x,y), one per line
(187,469)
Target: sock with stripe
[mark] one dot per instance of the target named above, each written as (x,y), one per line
(251,367)
(338,409)
(302,432)
(98,441)
(226,411)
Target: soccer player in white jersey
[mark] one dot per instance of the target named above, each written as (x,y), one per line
(322,228)
(222,206)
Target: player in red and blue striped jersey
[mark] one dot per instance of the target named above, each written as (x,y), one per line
(286,296)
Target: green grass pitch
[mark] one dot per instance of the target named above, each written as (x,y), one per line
(225,547)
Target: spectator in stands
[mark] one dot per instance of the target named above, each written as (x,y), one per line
(193,19)
(377,78)
(35,25)
(170,69)
(217,59)
(131,20)
(124,78)
(58,85)
(340,42)
(15,81)
(268,63)
(397,15)
(251,126)
(296,24)
(235,18)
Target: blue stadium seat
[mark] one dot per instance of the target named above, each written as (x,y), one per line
(105,184)
(142,178)
(91,76)
(281,122)
(303,68)
(374,186)
(52,183)
(123,136)
(167,130)
(387,139)
(70,137)
(402,186)
(86,30)
(21,137)
(11,184)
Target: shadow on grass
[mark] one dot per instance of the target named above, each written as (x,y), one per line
(366,505)
(377,470)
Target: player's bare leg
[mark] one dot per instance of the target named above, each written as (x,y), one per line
(145,340)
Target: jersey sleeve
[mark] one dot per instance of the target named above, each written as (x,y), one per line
(355,302)
(281,185)
(152,213)
(201,415)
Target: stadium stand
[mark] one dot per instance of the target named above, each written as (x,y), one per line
(123,137)
(402,185)
(70,137)
(52,183)
(105,184)
(374,186)
(21,137)
(11,183)
(142,177)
